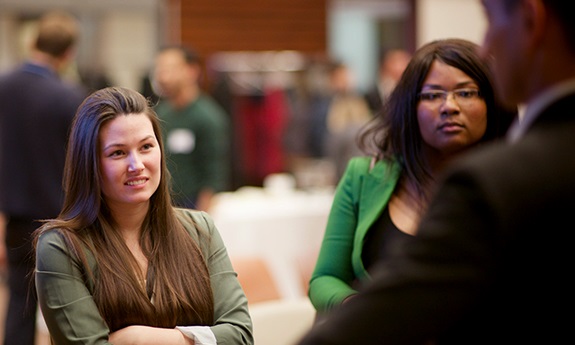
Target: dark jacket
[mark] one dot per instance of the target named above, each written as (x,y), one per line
(36,110)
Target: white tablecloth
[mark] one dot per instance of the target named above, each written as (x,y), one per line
(284,226)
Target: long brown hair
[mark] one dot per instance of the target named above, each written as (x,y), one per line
(177,287)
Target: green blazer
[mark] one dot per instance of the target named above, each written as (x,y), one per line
(361,195)
(72,316)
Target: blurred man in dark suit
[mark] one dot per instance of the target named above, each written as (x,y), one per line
(391,66)
(36,110)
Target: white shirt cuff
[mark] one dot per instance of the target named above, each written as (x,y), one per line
(201,335)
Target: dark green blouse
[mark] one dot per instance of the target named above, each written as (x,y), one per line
(72,316)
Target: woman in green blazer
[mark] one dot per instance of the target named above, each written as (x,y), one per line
(120,264)
(443,105)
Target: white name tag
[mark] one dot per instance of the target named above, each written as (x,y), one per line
(181,141)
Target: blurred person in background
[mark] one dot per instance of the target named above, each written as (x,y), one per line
(197,130)
(391,66)
(120,264)
(443,105)
(336,117)
(36,110)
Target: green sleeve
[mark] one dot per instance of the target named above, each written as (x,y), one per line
(232,324)
(214,148)
(333,274)
(66,302)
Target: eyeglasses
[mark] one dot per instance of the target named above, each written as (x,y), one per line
(462,96)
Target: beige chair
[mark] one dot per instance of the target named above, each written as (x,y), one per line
(256,279)
(281,322)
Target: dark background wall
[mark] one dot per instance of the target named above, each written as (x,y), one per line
(231,25)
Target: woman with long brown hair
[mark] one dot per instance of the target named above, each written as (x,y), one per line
(120,264)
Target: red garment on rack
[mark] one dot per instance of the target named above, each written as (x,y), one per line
(259,125)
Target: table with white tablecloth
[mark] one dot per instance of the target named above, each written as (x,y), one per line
(283,226)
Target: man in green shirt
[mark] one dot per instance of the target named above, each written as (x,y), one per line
(196,129)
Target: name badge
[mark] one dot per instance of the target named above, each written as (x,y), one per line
(181,141)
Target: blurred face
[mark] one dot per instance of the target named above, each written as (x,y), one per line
(341,80)
(450,113)
(505,43)
(172,74)
(130,160)
(395,64)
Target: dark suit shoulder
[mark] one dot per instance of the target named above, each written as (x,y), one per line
(533,177)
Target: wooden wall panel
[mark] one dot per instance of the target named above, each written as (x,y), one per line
(255,25)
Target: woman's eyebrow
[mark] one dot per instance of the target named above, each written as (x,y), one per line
(122,145)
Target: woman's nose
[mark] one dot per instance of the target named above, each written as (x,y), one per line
(449,105)
(135,164)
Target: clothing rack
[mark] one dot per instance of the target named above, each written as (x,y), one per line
(251,72)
